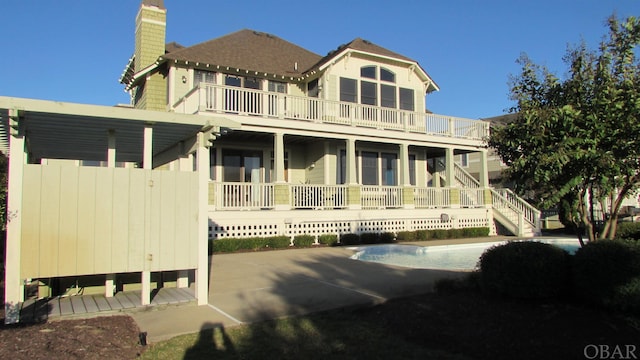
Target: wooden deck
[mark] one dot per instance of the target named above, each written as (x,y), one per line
(37,310)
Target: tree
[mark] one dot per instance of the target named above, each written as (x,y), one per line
(577,140)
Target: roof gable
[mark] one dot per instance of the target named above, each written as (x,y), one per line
(249,50)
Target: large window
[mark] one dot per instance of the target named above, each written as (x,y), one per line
(388,96)
(369,168)
(348,90)
(407,99)
(241,166)
(369,93)
(376,93)
(389,169)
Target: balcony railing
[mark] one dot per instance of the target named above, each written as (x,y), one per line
(229,99)
(318,196)
(381,197)
(261,196)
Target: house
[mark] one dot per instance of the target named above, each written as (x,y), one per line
(327,144)
(243,135)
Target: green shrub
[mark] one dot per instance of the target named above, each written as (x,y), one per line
(440,234)
(233,244)
(387,238)
(524,270)
(328,239)
(406,235)
(475,232)
(350,239)
(277,242)
(369,238)
(303,240)
(605,272)
(628,230)
(422,235)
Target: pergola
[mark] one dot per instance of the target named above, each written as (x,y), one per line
(66,220)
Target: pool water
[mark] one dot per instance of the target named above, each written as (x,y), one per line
(442,257)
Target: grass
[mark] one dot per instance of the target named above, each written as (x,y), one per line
(455,323)
(332,335)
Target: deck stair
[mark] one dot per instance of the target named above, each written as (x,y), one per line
(510,210)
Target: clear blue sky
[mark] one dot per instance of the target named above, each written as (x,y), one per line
(76,50)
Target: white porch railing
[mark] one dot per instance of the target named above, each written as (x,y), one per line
(518,206)
(229,99)
(244,196)
(318,196)
(425,198)
(380,197)
(472,197)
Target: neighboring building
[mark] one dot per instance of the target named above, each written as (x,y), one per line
(246,133)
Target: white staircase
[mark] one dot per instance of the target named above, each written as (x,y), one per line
(510,210)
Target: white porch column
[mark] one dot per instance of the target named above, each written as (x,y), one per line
(202,272)
(147,161)
(484,168)
(405,179)
(13,284)
(326,161)
(350,178)
(450,167)
(278,157)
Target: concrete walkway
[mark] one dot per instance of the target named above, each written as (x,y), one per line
(250,287)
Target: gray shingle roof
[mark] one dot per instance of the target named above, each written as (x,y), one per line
(250,50)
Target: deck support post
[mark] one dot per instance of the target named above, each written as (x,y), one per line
(14,285)
(202,271)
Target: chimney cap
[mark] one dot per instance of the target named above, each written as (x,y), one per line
(157,3)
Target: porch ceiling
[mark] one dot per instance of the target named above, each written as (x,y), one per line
(76,131)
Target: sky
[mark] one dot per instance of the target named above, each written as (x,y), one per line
(76,50)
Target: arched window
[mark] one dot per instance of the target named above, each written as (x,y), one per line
(368,72)
(387,75)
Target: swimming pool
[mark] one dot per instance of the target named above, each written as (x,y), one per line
(442,257)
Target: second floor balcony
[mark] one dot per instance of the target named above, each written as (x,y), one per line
(242,101)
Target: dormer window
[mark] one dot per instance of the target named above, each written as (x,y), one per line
(377,88)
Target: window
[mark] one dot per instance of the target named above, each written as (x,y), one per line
(368,92)
(389,169)
(368,72)
(387,96)
(202,76)
(312,88)
(231,80)
(348,90)
(241,166)
(369,168)
(406,99)
(387,75)
(277,86)
(252,83)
